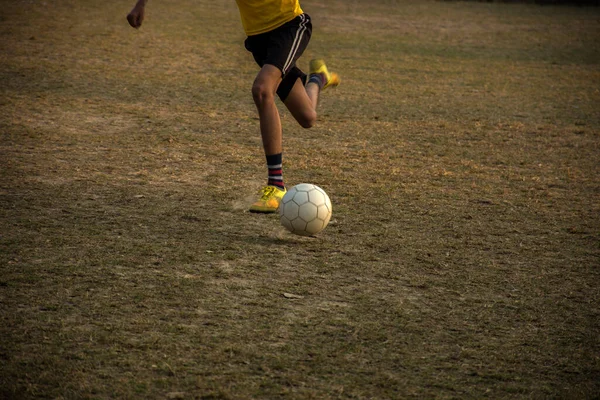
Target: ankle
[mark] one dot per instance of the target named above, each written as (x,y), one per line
(319,79)
(275,168)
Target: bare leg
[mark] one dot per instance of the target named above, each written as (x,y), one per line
(302,103)
(263,91)
(312,91)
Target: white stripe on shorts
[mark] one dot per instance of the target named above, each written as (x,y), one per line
(295,45)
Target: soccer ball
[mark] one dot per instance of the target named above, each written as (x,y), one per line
(305,209)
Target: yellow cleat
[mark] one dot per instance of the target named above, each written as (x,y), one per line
(269,200)
(319,67)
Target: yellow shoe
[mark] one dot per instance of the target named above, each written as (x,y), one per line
(269,200)
(319,67)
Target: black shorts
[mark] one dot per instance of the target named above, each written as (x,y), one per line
(282,47)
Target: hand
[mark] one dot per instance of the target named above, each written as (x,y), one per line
(136,16)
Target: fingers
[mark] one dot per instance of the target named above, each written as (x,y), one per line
(131,20)
(135,18)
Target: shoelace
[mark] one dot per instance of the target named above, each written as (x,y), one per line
(267,192)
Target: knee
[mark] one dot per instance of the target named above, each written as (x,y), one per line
(308,119)
(261,94)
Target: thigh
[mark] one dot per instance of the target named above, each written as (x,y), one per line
(298,102)
(288,82)
(268,78)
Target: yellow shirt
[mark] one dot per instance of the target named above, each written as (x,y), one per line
(260,16)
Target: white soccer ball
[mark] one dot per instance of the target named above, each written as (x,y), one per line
(305,209)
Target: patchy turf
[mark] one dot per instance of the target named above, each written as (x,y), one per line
(460,153)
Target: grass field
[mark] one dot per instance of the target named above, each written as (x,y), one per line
(461,154)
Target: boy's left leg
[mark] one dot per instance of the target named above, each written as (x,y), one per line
(302,103)
(302,99)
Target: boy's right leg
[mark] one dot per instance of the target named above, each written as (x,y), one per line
(263,91)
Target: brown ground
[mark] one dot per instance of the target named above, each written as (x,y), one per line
(461,154)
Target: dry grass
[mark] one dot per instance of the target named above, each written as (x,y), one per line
(460,153)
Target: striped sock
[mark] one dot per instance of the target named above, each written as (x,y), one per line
(274,164)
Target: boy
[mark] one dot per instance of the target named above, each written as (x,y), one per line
(278,32)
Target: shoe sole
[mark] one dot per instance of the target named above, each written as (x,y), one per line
(258,211)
